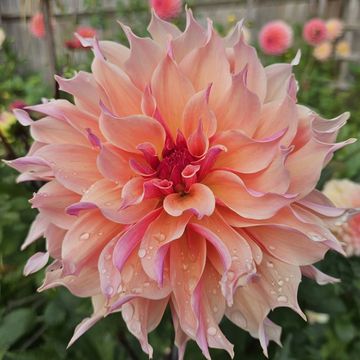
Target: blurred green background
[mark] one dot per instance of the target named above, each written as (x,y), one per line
(39,326)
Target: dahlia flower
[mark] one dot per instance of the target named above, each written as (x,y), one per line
(343,48)
(334,29)
(346,194)
(184,176)
(323,51)
(315,32)
(37,25)
(275,37)
(166,9)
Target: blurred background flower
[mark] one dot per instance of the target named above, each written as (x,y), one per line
(275,37)
(334,28)
(343,49)
(2,36)
(315,32)
(37,25)
(323,51)
(167,9)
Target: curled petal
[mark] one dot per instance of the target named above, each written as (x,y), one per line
(36,263)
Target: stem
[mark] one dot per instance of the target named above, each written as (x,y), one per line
(50,43)
(122,338)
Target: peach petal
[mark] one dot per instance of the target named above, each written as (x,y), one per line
(54,238)
(37,229)
(321,278)
(130,131)
(169,79)
(199,200)
(231,191)
(36,263)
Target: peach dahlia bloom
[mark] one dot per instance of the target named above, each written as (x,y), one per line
(184,176)
(346,194)
(334,28)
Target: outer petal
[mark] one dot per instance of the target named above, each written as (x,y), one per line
(37,229)
(74,166)
(84,241)
(199,200)
(36,263)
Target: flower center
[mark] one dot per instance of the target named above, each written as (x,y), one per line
(173,163)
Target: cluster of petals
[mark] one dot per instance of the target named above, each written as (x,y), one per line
(346,194)
(334,29)
(315,31)
(167,9)
(37,25)
(183,176)
(275,37)
(343,48)
(83,32)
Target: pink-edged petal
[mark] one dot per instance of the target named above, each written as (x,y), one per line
(169,79)
(199,200)
(208,65)
(160,233)
(198,109)
(110,155)
(52,200)
(36,263)
(246,155)
(84,241)
(87,323)
(85,284)
(238,108)
(288,245)
(161,30)
(85,90)
(321,278)
(216,230)
(23,117)
(193,37)
(326,130)
(209,306)
(187,263)
(131,238)
(130,131)
(245,56)
(230,190)
(37,229)
(74,166)
(54,237)
(181,338)
(53,131)
(123,98)
(140,71)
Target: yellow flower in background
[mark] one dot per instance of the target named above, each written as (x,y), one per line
(7,119)
(334,28)
(231,19)
(343,48)
(2,37)
(323,51)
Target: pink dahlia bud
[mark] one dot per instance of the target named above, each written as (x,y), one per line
(315,32)
(275,37)
(177,179)
(346,194)
(334,28)
(166,9)
(37,25)
(86,32)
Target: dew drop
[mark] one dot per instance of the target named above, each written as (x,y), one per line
(109,290)
(239,319)
(185,266)
(84,236)
(147,284)
(234,258)
(271,247)
(142,253)
(280,282)
(160,237)
(270,264)
(287,279)
(192,283)
(215,309)
(214,291)
(137,290)
(282,298)
(107,256)
(211,331)
(108,203)
(103,271)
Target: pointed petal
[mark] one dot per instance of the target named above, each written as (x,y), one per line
(36,263)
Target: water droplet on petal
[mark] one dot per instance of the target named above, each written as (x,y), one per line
(103,271)
(84,236)
(192,283)
(282,298)
(211,331)
(272,247)
(215,309)
(160,237)
(147,284)
(287,279)
(142,253)
(107,256)
(280,283)
(270,264)
(109,290)
(185,266)
(230,275)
